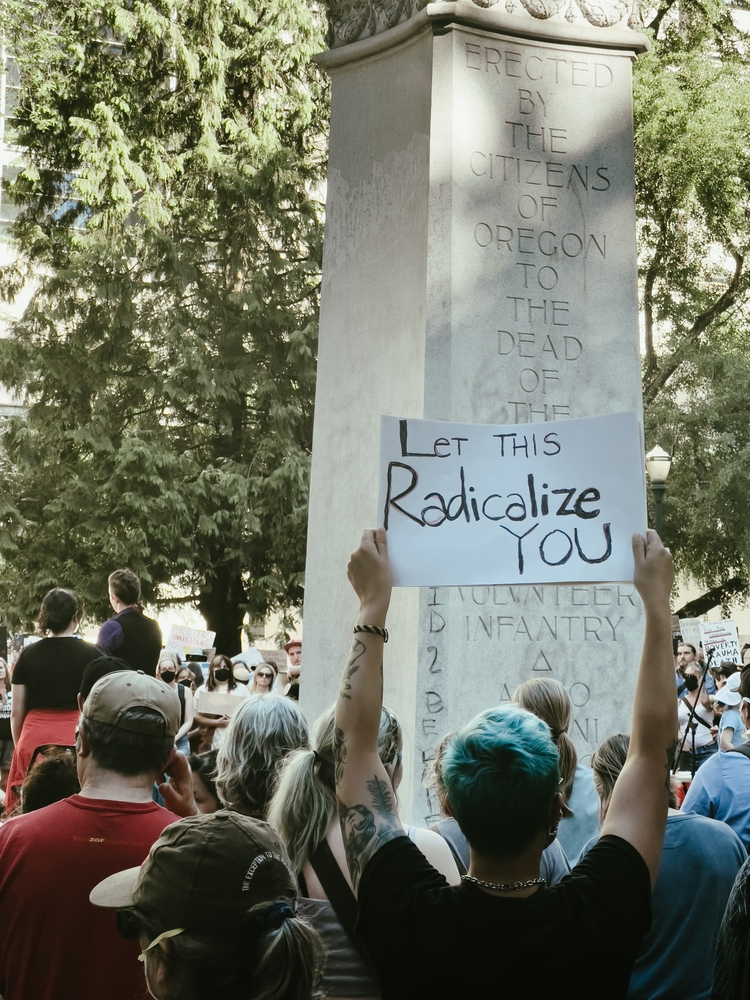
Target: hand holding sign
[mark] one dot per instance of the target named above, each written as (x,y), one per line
(473,504)
(369,573)
(654,572)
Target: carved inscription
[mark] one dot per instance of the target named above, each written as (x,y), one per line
(480,643)
(543,191)
(433,725)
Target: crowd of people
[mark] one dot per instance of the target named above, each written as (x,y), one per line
(192,822)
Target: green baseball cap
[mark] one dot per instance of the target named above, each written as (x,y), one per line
(202,872)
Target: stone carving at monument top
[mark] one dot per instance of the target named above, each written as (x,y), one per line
(353,20)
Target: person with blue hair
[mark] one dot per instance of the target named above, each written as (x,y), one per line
(504,747)
(502,932)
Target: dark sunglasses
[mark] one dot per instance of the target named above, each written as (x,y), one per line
(265,675)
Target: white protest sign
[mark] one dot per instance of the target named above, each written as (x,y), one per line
(690,630)
(473,504)
(722,638)
(182,639)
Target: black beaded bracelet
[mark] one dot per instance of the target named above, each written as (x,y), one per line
(373,630)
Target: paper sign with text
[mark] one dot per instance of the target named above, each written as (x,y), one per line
(690,630)
(722,638)
(182,639)
(473,504)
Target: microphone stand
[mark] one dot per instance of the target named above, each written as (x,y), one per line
(691,724)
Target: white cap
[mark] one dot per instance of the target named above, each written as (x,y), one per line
(728,697)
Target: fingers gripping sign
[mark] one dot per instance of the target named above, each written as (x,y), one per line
(369,573)
(654,572)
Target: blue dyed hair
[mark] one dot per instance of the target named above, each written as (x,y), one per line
(501,772)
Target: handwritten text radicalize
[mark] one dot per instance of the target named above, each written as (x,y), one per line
(539,502)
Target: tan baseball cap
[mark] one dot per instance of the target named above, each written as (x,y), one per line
(115,693)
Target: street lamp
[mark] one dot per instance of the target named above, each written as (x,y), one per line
(657,467)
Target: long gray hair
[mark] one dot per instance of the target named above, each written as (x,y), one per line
(304,805)
(261,734)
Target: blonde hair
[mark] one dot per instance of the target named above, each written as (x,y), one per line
(607,762)
(304,804)
(254,689)
(548,700)
(434,777)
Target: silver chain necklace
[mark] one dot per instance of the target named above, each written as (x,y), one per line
(512,887)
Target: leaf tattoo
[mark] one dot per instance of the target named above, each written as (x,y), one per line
(382,797)
(339,755)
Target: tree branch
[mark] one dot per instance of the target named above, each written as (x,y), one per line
(703,604)
(653,385)
(655,23)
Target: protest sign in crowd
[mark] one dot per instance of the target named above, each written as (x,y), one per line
(185,817)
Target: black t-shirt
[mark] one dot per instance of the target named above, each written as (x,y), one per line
(577,939)
(51,671)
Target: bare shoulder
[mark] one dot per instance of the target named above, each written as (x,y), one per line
(438,853)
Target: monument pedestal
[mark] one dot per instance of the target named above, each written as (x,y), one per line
(479,266)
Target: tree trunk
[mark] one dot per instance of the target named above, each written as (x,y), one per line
(703,604)
(220,603)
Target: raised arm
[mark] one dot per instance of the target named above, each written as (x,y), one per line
(638,810)
(366,803)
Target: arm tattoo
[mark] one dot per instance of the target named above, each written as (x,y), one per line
(382,798)
(363,831)
(358,648)
(339,755)
(358,829)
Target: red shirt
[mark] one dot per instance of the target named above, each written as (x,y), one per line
(54,944)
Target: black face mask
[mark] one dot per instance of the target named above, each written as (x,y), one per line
(221,675)
(691,682)
(168,676)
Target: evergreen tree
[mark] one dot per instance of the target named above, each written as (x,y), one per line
(171,226)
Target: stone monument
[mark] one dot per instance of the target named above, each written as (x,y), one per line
(479,266)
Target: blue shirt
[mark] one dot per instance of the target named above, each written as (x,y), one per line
(699,862)
(731,719)
(576,830)
(721,790)
(110,637)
